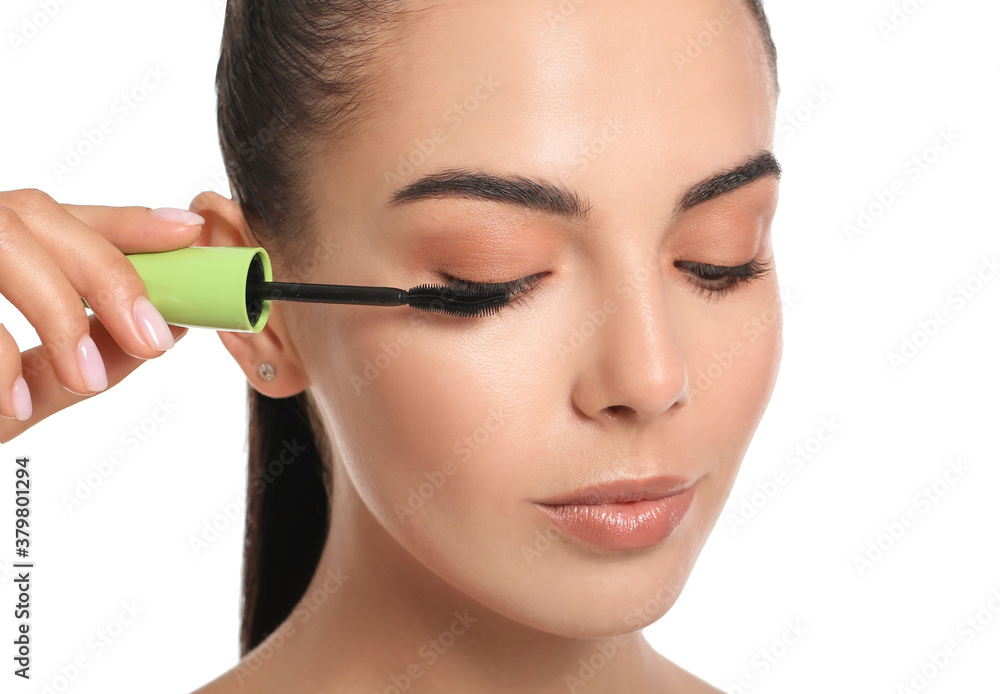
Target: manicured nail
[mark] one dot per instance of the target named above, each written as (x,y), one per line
(151,324)
(173,214)
(21,399)
(91,365)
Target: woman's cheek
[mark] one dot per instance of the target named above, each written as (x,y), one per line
(735,375)
(420,425)
(762,336)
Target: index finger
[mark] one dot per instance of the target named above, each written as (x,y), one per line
(141,229)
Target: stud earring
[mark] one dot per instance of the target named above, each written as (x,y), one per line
(266,371)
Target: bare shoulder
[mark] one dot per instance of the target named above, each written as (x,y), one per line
(223,684)
(675,678)
(695,685)
(240,678)
(256,675)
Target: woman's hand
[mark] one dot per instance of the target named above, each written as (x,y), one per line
(51,255)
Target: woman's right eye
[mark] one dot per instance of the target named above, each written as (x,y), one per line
(469,289)
(513,289)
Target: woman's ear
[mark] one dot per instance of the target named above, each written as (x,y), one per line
(225,225)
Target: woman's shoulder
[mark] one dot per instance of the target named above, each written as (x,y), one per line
(240,678)
(225,683)
(255,677)
(674,678)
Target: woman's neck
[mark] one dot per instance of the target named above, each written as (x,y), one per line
(376,620)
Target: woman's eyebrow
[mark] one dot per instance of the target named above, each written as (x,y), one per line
(539,195)
(756,167)
(556,199)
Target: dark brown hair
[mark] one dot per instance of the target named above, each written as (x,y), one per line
(293,73)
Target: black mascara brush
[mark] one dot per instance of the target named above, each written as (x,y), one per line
(426,297)
(230,288)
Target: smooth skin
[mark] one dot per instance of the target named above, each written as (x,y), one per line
(472,590)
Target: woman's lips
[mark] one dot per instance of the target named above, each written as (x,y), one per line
(630,514)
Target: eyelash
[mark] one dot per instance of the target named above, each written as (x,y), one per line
(705,276)
(513,289)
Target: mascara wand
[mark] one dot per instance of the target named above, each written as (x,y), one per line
(230,288)
(426,297)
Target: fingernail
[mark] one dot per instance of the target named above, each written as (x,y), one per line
(91,365)
(21,399)
(173,214)
(151,324)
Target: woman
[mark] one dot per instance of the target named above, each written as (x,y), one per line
(439,503)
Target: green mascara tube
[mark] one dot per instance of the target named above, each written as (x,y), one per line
(206,286)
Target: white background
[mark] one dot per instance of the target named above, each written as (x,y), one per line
(879,99)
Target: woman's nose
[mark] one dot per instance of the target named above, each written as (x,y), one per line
(634,364)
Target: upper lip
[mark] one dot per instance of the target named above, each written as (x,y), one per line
(620,491)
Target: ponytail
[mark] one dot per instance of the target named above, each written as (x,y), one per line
(288,511)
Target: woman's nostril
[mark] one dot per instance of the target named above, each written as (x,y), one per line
(615,411)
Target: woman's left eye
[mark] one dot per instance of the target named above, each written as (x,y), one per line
(718,280)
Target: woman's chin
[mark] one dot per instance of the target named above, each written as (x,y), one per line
(575,598)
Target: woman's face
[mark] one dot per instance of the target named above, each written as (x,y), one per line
(448,430)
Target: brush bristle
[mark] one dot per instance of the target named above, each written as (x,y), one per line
(472,302)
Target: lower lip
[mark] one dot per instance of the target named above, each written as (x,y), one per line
(628,525)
